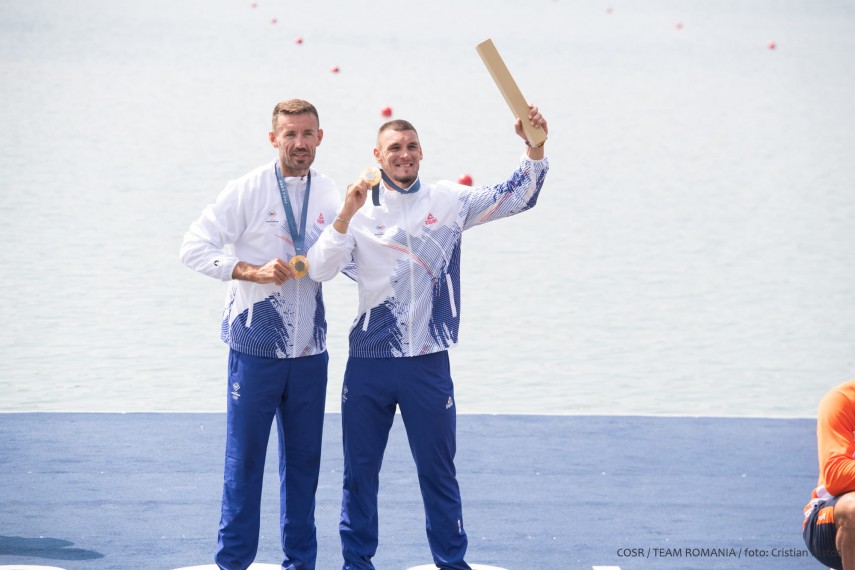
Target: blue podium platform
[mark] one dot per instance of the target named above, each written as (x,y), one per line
(142,491)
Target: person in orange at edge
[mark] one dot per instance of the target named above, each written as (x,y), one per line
(829,526)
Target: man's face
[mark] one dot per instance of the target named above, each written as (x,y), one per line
(296,137)
(399,153)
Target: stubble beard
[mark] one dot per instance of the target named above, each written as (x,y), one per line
(406,182)
(291,166)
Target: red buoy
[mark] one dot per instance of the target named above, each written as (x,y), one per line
(386,111)
(253,5)
(273,20)
(299,41)
(464,179)
(772,45)
(679,25)
(334,69)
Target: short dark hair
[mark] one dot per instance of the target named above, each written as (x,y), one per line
(396,125)
(293,107)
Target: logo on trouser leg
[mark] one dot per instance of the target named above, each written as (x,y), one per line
(459,526)
(235,393)
(826,516)
(344,394)
(449,404)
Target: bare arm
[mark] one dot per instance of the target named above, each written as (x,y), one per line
(353,201)
(275,271)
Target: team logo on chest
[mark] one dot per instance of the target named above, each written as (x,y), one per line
(430,220)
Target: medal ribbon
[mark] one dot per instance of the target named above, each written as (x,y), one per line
(375,190)
(298,235)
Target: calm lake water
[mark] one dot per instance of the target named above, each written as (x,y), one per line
(692,252)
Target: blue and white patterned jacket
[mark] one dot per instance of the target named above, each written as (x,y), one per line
(247,223)
(407,258)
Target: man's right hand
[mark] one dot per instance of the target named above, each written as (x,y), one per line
(355,198)
(275,271)
(356,195)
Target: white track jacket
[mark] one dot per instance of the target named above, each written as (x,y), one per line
(407,259)
(247,223)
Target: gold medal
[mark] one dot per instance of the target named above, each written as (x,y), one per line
(371,175)
(300,265)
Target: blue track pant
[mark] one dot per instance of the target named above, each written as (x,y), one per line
(422,386)
(293,390)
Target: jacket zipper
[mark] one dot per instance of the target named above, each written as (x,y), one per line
(412,279)
(296,334)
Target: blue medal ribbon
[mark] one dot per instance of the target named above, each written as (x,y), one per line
(375,190)
(298,235)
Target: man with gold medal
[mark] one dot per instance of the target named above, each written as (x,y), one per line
(404,237)
(274,324)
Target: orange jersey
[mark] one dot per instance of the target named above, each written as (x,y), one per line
(835,438)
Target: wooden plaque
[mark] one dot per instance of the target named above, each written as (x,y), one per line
(510,91)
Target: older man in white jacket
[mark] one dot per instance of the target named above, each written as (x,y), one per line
(256,236)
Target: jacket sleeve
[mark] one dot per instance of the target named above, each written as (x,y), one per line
(331,254)
(517,194)
(221,223)
(835,443)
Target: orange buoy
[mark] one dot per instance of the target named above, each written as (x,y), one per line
(334,69)
(464,179)
(386,111)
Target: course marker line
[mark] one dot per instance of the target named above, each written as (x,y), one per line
(473,566)
(253,566)
(28,567)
